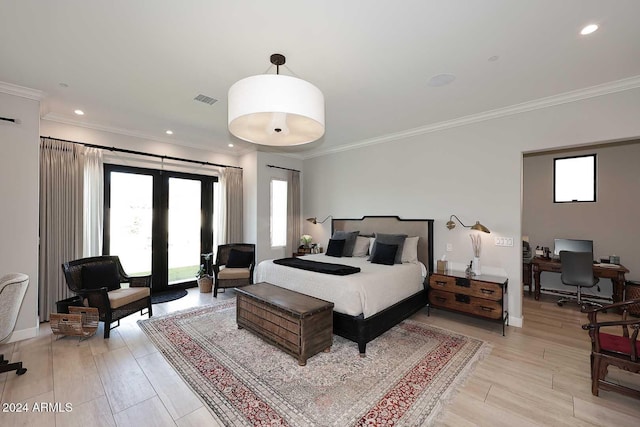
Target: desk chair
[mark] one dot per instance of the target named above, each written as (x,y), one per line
(577,270)
(13,287)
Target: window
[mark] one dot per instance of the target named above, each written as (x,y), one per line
(574,179)
(278,213)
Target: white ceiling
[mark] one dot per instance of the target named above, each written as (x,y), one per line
(135,66)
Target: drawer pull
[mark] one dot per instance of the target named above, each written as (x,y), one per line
(441,283)
(463,298)
(441,299)
(463,282)
(487,291)
(486,308)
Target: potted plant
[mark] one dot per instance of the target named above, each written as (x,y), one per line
(205,281)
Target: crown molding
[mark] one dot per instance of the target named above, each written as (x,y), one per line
(563,98)
(126,132)
(21,91)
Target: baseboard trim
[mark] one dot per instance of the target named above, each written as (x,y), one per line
(24,334)
(515,321)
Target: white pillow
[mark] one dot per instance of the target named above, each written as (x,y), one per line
(371,242)
(410,249)
(361,247)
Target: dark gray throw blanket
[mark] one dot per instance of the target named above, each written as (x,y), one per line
(318,267)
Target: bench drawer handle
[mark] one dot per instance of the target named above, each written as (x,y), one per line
(487,291)
(441,299)
(486,308)
(441,283)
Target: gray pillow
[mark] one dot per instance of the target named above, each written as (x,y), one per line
(350,240)
(389,239)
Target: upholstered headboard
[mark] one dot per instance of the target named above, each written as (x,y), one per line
(393,225)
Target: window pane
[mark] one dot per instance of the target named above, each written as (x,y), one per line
(131,218)
(184,229)
(575,179)
(278,213)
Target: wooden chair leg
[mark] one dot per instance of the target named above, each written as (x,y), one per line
(595,367)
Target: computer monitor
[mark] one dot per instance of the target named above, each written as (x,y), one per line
(573,245)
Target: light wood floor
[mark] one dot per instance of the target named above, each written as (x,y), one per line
(536,375)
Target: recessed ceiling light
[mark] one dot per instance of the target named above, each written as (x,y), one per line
(589,29)
(493,58)
(169,132)
(230,145)
(63,85)
(441,80)
(79,112)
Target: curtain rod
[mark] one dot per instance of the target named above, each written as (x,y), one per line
(140,153)
(280,167)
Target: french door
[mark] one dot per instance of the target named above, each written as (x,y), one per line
(158,222)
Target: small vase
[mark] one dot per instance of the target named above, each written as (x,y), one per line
(476,266)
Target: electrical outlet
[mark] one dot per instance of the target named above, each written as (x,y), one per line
(449,247)
(508,241)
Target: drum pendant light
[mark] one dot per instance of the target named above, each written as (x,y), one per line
(276,110)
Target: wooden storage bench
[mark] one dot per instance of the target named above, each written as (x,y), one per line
(298,324)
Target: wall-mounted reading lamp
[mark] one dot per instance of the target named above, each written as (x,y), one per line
(477,226)
(314,220)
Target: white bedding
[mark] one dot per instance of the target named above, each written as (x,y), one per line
(372,290)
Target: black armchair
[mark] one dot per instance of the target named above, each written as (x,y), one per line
(97,280)
(234,266)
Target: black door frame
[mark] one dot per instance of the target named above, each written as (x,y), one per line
(160,221)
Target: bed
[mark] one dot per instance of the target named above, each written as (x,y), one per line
(372,301)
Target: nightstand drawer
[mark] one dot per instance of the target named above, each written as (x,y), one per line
(466,304)
(466,286)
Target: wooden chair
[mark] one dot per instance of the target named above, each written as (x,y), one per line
(97,279)
(613,349)
(234,266)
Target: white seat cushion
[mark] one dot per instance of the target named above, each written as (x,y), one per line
(123,296)
(233,273)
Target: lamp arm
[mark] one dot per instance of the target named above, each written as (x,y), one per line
(324,220)
(461,223)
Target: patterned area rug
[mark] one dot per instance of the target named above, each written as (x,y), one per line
(409,372)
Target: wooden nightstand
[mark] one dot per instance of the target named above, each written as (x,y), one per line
(481,296)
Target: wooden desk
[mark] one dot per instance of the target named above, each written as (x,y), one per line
(538,265)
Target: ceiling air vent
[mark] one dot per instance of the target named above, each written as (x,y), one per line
(206,99)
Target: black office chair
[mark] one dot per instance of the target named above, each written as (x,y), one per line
(577,270)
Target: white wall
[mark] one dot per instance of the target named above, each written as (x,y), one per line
(19,194)
(473,171)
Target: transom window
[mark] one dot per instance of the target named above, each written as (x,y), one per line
(574,179)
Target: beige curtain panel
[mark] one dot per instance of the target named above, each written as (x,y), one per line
(294,229)
(61,218)
(233,192)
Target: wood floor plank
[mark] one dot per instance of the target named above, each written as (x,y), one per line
(150,412)
(174,393)
(94,413)
(33,416)
(124,382)
(199,417)
(35,355)
(75,375)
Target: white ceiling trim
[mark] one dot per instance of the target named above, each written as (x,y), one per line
(21,91)
(564,98)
